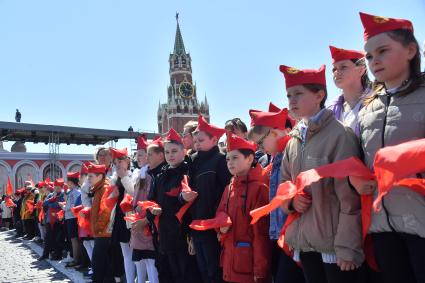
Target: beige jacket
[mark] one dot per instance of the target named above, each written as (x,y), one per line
(333,222)
(391,120)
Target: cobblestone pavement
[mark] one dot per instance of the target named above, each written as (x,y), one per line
(18,263)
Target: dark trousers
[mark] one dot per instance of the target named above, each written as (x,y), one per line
(315,271)
(178,262)
(101,261)
(400,257)
(54,239)
(207,255)
(284,268)
(29,227)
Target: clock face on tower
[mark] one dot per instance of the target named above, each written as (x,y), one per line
(186,90)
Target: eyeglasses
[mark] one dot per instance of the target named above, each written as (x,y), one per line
(261,141)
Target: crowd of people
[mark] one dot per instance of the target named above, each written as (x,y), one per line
(187,208)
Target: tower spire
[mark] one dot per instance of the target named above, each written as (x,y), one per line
(178,43)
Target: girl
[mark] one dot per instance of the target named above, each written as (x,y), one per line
(245,256)
(350,75)
(269,131)
(121,233)
(172,234)
(394,114)
(143,249)
(327,237)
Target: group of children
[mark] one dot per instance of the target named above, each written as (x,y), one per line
(184,213)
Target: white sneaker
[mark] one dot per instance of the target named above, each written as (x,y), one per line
(67,259)
(35,239)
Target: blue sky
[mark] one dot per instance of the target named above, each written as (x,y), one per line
(104,64)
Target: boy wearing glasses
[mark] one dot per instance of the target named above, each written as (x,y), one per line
(270,132)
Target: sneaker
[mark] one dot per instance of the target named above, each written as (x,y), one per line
(43,257)
(35,239)
(68,259)
(72,264)
(88,273)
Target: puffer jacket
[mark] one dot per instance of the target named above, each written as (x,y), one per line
(391,119)
(333,222)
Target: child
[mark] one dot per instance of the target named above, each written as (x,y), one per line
(270,131)
(208,175)
(156,162)
(121,233)
(245,256)
(350,75)
(143,249)
(394,114)
(86,202)
(72,198)
(54,230)
(172,235)
(327,237)
(101,221)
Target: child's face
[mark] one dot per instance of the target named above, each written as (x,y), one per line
(237,163)
(303,102)
(266,142)
(346,73)
(94,178)
(70,184)
(154,158)
(187,140)
(174,154)
(203,142)
(142,157)
(104,157)
(388,59)
(121,163)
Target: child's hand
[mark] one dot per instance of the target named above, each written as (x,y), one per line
(189,196)
(345,265)
(362,186)
(301,204)
(224,230)
(156,211)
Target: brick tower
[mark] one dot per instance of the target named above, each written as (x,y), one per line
(182,103)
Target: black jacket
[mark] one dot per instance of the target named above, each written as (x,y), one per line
(172,235)
(208,175)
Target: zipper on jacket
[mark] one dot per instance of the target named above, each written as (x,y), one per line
(387,103)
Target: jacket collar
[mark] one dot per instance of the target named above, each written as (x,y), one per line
(314,125)
(209,153)
(254,174)
(155,171)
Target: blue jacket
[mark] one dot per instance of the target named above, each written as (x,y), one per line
(47,204)
(277,216)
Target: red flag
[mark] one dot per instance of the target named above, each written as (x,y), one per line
(9,188)
(9,202)
(84,219)
(185,188)
(174,192)
(339,169)
(220,220)
(60,215)
(127,203)
(394,163)
(30,206)
(76,209)
(108,201)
